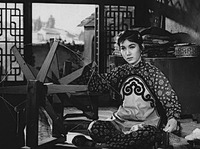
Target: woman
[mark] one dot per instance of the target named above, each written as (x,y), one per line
(148,102)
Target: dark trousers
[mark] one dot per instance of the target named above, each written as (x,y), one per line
(105,132)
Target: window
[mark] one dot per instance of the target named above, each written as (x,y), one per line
(11,33)
(71,24)
(60,21)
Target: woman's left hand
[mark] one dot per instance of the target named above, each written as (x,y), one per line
(171,125)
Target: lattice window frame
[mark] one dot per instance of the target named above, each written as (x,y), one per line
(11,33)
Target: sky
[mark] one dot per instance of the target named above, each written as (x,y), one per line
(67,16)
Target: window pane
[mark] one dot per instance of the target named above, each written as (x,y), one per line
(71,24)
(59,21)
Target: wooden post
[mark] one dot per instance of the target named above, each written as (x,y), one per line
(67,68)
(35,93)
(101,47)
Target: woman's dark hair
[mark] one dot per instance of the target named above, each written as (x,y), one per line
(130,35)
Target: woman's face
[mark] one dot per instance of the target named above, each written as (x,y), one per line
(130,51)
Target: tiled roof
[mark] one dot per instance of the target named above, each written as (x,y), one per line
(89,21)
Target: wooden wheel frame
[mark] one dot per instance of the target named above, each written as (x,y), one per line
(37,91)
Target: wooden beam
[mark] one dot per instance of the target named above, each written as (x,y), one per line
(54,88)
(102,50)
(71,77)
(14,89)
(74,75)
(55,118)
(54,69)
(47,63)
(35,93)
(25,69)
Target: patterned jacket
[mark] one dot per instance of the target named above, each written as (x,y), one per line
(166,99)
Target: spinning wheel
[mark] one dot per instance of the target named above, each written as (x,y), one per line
(37,90)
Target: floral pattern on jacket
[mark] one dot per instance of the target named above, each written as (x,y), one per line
(155,79)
